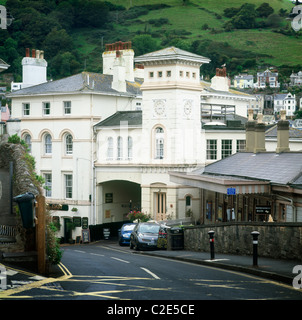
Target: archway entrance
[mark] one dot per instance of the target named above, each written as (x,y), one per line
(117,198)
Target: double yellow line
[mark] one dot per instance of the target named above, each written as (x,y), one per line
(36,284)
(64,270)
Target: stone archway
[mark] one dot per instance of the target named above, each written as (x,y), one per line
(116,198)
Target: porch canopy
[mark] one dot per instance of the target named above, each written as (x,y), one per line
(221,184)
(247,173)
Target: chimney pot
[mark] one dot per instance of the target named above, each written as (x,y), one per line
(33,53)
(27,52)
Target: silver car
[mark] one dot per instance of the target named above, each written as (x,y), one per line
(144,236)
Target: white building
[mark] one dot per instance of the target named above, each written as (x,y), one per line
(296,79)
(285,101)
(244,81)
(105,143)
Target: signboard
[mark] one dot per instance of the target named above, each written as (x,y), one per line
(85,223)
(86,235)
(108,197)
(57,206)
(263,210)
(231,191)
(77,221)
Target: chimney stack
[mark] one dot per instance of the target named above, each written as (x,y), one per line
(282,134)
(116,51)
(250,132)
(259,135)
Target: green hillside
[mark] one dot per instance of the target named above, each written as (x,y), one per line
(73,33)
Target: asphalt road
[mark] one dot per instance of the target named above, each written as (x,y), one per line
(112,273)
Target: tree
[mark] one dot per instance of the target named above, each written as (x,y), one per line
(143,44)
(274,20)
(244,18)
(264,10)
(64,64)
(90,13)
(57,41)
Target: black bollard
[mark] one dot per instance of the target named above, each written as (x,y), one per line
(255,235)
(211,235)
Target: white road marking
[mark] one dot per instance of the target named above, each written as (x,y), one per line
(151,273)
(97,254)
(120,260)
(80,251)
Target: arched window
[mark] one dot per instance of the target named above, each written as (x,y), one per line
(130,148)
(47,144)
(159,143)
(68,144)
(109,148)
(27,139)
(119,148)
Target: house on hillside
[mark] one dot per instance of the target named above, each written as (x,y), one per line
(267,79)
(296,79)
(285,101)
(244,81)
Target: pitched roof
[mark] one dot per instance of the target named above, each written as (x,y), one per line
(81,82)
(172,53)
(293,133)
(134,118)
(277,168)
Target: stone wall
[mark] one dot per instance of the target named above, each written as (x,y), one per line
(276,240)
(23,181)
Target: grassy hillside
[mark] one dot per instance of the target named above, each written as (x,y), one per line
(194,25)
(184,25)
(191,18)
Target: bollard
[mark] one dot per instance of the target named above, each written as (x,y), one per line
(211,235)
(255,235)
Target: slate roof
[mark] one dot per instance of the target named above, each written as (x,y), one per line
(134,118)
(208,90)
(81,82)
(283,168)
(294,133)
(171,53)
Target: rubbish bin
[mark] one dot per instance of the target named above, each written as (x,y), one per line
(27,209)
(175,239)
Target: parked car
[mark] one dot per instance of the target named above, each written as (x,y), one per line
(144,236)
(125,232)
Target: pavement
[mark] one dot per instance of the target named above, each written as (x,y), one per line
(273,269)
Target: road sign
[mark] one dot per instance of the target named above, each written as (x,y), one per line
(231,191)
(263,210)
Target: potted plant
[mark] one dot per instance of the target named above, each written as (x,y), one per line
(139,216)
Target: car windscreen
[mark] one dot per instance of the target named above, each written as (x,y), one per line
(128,227)
(152,228)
